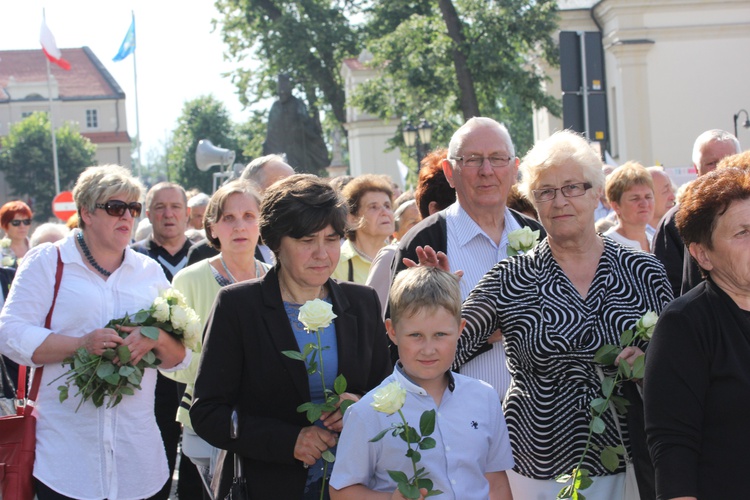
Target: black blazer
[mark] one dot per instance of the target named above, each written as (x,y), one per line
(242,365)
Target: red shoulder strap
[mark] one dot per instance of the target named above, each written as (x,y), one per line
(36,382)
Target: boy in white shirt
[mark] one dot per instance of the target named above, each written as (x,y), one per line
(471,449)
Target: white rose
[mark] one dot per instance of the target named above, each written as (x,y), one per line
(523,240)
(193,330)
(316,314)
(647,323)
(7,261)
(175,294)
(179,318)
(161,309)
(5,243)
(389,399)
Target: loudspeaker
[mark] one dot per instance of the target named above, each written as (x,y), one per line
(207,155)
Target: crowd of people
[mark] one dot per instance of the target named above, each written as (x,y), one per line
(480,355)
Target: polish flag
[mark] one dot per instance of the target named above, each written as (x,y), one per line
(50,47)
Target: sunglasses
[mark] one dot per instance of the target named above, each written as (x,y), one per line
(18,222)
(116,208)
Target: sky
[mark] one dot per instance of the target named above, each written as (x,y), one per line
(179,58)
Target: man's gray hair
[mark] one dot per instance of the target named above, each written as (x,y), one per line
(199,200)
(254,170)
(713,135)
(474,123)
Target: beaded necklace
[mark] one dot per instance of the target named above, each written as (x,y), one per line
(90,258)
(231,278)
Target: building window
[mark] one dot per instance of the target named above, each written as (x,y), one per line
(26,114)
(92,119)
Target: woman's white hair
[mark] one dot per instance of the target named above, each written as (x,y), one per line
(561,147)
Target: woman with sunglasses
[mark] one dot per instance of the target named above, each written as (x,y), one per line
(15,219)
(91,452)
(556,306)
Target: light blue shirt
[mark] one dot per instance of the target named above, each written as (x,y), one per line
(473,251)
(470,432)
(330,369)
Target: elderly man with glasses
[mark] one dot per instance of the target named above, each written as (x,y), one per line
(482,166)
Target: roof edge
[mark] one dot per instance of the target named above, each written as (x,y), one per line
(118,92)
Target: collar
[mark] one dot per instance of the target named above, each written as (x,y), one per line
(348,252)
(410,386)
(70,254)
(465,229)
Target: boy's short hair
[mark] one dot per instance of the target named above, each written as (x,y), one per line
(424,287)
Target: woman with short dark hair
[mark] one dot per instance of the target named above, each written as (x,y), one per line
(243,366)
(697,383)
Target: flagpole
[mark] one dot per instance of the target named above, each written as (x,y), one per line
(137,120)
(52,122)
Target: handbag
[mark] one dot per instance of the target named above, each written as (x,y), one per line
(18,432)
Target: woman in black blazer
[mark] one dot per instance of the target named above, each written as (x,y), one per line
(242,366)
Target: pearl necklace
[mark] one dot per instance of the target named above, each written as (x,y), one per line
(90,258)
(229,275)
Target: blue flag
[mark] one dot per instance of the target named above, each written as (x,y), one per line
(128,44)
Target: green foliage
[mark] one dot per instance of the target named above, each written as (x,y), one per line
(202,118)
(26,159)
(500,42)
(306,39)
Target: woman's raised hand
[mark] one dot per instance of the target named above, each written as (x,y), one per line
(427,256)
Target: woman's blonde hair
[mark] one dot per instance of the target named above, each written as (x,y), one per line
(100,183)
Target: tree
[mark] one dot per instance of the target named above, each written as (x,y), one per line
(26,159)
(448,61)
(202,118)
(306,39)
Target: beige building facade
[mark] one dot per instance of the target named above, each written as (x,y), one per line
(86,95)
(673,69)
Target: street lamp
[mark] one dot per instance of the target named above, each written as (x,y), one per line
(737,117)
(418,137)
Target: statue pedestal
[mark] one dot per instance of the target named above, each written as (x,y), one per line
(336,170)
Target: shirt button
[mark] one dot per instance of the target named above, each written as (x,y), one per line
(447,448)
(453,481)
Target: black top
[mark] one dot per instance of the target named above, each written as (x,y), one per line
(697,396)
(682,270)
(242,366)
(171,264)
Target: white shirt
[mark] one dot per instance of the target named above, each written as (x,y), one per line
(622,240)
(470,434)
(473,251)
(94,453)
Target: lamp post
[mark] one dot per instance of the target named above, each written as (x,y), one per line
(737,117)
(418,137)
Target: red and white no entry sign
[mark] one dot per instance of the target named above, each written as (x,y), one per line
(63,205)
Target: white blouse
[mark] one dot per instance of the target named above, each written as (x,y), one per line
(93,453)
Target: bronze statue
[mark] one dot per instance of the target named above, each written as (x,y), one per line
(292,131)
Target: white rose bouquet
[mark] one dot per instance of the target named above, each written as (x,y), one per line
(315,316)
(390,399)
(610,455)
(98,377)
(7,257)
(522,240)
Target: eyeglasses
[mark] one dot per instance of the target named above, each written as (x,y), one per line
(569,191)
(18,222)
(477,161)
(116,208)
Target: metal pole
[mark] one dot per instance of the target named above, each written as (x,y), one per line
(137,120)
(584,81)
(52,125)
